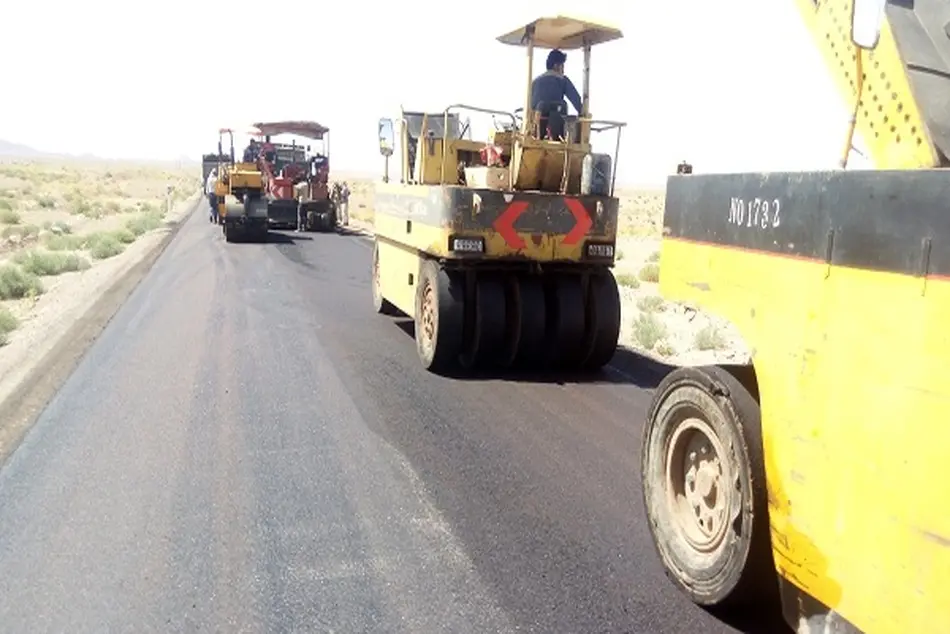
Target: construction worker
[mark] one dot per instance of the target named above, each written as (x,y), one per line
(251,152)
(548,91)
(209,192)
(345,203)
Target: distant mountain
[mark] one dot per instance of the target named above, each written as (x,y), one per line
(8,148)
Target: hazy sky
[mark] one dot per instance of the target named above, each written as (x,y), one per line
(729,85)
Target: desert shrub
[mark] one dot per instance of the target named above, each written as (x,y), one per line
(648,330)
(15,283)
(651,303)
(650,272)
(9,217)
(710,338)
(104,246)
(47,263)
(8,323)
(627,279)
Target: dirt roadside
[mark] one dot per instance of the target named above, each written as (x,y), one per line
(67,308)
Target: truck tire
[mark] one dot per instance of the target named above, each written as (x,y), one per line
(439,317)
(704,488)
(380,304)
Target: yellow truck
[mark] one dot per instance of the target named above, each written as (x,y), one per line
(501,250)
(818,473)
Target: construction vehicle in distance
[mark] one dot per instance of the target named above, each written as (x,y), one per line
(239,191)
(818,472)
(296,180)
(501,251)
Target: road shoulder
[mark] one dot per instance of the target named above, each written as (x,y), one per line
(48,349)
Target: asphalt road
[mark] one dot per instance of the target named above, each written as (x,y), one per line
(248,447)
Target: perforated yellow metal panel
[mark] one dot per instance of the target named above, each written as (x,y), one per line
(889,118)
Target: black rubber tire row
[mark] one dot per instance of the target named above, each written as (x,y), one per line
(244,235)
(508,320)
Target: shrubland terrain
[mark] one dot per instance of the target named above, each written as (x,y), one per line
(68,228)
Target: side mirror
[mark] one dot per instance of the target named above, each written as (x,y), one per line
(867,20)
(387,138)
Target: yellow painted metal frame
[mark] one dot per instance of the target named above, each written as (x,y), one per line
(852,370)
(434,241)
(854,404)
(889,117)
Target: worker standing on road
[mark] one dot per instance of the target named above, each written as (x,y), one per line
(209,191)
(301,217)
(345,204)
(548,91)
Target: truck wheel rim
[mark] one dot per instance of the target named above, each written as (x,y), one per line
(697,492)
(428,315)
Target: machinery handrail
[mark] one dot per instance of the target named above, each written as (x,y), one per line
(445,128)
(603,126)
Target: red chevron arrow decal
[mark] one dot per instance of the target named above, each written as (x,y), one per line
(582,218)
(504,224)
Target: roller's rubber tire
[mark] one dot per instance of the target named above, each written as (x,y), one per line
(381,305)
(603,321)
(531,310)
(486,346)
(439,317)
(564,316)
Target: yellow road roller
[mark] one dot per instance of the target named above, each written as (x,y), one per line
(501,250)
(241,182)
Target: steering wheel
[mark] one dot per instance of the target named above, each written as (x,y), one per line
(519,116)
(505,125)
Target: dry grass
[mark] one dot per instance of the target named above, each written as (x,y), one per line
(59,217)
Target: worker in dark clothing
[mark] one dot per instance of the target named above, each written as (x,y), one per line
(251,152)
(548,91)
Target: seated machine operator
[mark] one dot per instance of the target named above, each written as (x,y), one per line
(251,152)
(548,91)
